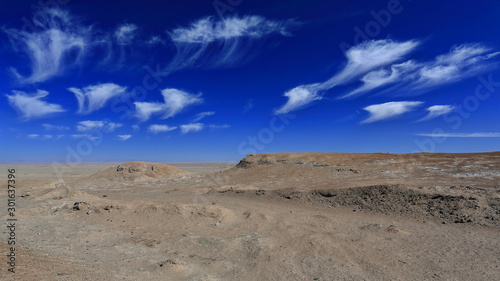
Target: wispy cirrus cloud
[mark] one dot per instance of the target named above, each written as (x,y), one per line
(144,110)
(155,40)
(124,137)
(361,59)
(126,33)
(50,127)
(249,105)
(31,106)
(436,111)
(42,137)
(213,42)
(299,97)
(389,110)
(85,126)
(84,136)
(461,62)
(120,49)
(215,126)
(174,102)
(95,97)
(160,128)
(462,135)
(202,115)
(191,128)
(58,43)
(211,29)
(379,65)
(383,76)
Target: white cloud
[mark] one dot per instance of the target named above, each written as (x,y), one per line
(126,33)
(202,115)
(462,135)
(40,137)
(211,29)
(368,56)
(44,137)
(92,98)
(136,128)
(85,126)
(216,42)
(297,98)
(84,136)
(50,127)
(223,126)
(174,102)
(124,137)
(436,111)
(438,72)
(154,40)
(461,53)
(379,112)
(89,125)
(461,62)
(378,64)
(249,105)
(57,43)
(160,128)
(191,128)
(383,76)
(112,126)
(361,59)
(33,106)
(144,110)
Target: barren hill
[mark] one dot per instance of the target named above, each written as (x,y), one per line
(137,171)
(342,159)
(310,170)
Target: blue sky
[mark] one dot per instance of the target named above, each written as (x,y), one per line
(102,81)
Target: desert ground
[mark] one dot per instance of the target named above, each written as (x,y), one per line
(281,216)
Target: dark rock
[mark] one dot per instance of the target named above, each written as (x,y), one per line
(81,205)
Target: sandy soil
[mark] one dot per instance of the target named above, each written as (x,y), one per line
(285,216)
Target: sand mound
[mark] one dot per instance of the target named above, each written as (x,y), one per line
(55,191)
(137,171)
